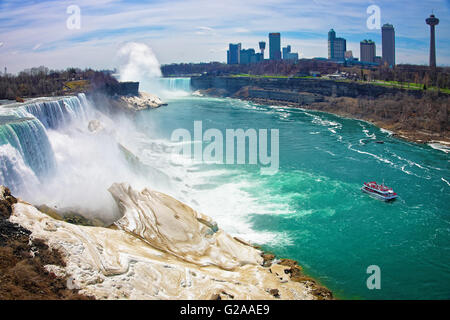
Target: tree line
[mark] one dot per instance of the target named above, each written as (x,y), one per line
(42,81)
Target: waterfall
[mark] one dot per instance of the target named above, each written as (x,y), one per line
(176,84)
(54,114)
(27,136)
(14,173)
(26,155)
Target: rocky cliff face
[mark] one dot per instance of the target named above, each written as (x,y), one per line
(323,87)
(412,114)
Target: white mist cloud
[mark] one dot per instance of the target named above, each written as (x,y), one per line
(138,62)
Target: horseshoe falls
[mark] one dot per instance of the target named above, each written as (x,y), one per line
(312,210)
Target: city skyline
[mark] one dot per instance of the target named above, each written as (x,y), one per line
(34,33)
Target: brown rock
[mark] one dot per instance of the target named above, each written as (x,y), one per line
(216,296)
(322,293)
(267,259)
(275,293)
(288,262)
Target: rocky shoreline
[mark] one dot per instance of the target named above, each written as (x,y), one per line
(338,107)
(24,260)
(419,116)
(137,259)
(142,101)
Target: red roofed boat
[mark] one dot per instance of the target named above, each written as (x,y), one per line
(379,191)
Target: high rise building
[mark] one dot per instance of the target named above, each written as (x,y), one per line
(331,38)
(336,47)
(234,53)
(288,55)
(262,47)
(247,56)
(368,51)
(388,44)
(348,55)
(286,51)
(432,21)
(274,46)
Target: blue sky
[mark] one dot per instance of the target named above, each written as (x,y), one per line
(34,33)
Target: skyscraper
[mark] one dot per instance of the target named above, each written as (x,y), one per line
(432,21)
(368,51)
(262,47)
(388,44)
(288,55)
(286,51)
(331,38)
(247,56)
(274,46)
(336,47)
(234,53)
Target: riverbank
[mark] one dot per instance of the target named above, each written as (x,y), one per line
(414,115)
(339,106)
(184,256)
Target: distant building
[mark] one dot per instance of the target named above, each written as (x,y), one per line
(378,60)
(336,47)
(388,44)
(368,51)
(432,21)
(288,55)
(246,55)
(274,46)
(286,51)
(262,47)
(249,56)
(348,55)
(234,54)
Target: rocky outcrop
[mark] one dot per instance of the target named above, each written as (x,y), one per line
(159,249)
(142,101)
(170,226)
(24,260)
(119,104)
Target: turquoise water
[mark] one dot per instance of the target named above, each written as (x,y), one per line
(312,210)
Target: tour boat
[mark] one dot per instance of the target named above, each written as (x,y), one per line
(379,191)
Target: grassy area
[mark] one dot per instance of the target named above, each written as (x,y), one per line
(79,85)
(269,76)
(395,84)
(408,85)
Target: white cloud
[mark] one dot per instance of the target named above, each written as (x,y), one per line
(175,35)
(37,46)
(205,31)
